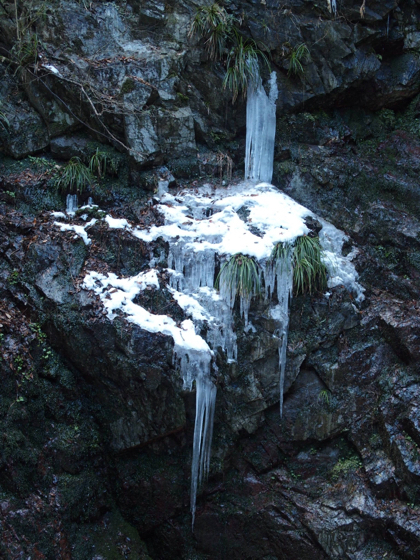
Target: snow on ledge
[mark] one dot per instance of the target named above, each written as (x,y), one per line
(115,223)
(118,294)
(79,230)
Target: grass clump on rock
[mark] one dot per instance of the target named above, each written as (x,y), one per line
(75,176)
(223,39)
(239,276)
(309,270)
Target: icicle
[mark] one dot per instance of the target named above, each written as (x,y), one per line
(220,332)
(71,204)
(203,433)
(260,130)
(195,364)
(197,267)
(332,6)
(244,305)
(279,272)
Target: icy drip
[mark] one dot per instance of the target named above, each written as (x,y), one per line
(279,273)
(220,332)
(196,268)
(71,204)
(203,433)
(229,292)
(332,6)
(340,268)
(162,188)
(260,130)
(196,366)
(193,273)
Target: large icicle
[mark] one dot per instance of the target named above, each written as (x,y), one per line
(203,433)
(260,130)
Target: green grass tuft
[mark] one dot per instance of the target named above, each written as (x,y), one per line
(239,276)
(213,24)
(100,162)
(221,35)
(309,271)
(242,65)
(75,176)
(298,54)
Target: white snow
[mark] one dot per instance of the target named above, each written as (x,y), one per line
(118,294)
(115,223)
(191,306)
(59,215)
(224,232)
(79,230)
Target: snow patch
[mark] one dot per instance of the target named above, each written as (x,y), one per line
(115,223)
(79,230)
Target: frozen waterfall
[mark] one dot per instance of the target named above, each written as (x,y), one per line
(260,130)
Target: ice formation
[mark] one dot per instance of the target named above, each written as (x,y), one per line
(260,130)
(71,204)
(204,228)
(332,6)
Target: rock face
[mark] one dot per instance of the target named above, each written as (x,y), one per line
(97,430)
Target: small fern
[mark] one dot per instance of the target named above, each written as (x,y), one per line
(42,163)
(75,176)
(324,397)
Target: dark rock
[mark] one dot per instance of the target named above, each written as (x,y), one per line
(66,147)
(24,132)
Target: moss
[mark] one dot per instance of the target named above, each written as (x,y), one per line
(127,86)
(183,99)
(344,467)
(118,540)
(92,212)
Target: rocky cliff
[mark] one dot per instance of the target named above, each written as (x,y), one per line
(96,428)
